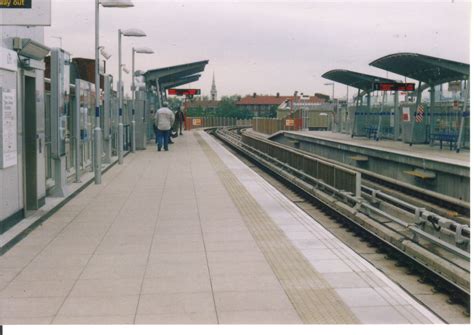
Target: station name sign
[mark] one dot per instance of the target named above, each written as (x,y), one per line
(184,91)
(15,4)
(394,86)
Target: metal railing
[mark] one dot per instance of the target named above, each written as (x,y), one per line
(331,174)
(203,122)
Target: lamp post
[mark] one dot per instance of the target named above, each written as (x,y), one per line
(138,51)
(97,130)
(329,84)
(128,33)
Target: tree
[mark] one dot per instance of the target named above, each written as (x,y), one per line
(228,108)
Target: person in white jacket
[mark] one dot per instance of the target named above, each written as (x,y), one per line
(164,119)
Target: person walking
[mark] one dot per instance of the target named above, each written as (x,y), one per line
(164,119)
(181,119)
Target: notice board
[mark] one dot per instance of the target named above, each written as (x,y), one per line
(8,131)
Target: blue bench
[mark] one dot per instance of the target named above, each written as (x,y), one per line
(371,132)
(450,137)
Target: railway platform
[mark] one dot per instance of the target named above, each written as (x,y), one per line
(195,236)
(421,165)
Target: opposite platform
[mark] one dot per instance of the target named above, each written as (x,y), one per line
(191,236)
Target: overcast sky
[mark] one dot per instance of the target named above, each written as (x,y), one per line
(266,46)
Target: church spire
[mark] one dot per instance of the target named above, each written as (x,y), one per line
(213,89)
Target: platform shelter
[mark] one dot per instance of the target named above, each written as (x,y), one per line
(442,123)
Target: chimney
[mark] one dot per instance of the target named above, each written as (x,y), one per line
(254,95)
(278,94)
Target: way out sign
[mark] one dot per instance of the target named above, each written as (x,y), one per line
(27,12)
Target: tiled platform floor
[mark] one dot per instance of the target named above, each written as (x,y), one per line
(171,237)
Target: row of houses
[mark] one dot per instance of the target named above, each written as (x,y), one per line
(263,105)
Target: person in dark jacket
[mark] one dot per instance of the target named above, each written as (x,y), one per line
(164,119)
(181,118)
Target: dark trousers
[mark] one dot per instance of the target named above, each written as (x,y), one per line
(162,138)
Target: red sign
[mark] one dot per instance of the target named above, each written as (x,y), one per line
(394,86)
(184,91)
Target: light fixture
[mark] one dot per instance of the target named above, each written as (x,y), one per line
(143,50)
(124,69)
(133,32)
(117,3)
(104,53)
(139,73)
(29,48)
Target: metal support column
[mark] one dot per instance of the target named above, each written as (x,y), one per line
(97,130)
(354,123)
(464,114)
(379,125)
(59,90)
(107,119)
(396,118)
(133,101)
(413,119)
(77,132)
(432,114)
(119,92)
(369,111)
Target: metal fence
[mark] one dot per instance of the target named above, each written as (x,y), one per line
(293,121)
(331,174)
(203,122)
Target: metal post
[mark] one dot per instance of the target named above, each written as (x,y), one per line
(97,130)
(377,135)
(133,100)
(354,123)
(369,111)
(119,91)
(396,118)
(466,97)
(77,132)
(158,95)
(413,120)
(347,108)
(107,142)
(432,116)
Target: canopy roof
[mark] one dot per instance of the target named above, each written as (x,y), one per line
(175,75)
(182,81)
(430,70)
(355,79)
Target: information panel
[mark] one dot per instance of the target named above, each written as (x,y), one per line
(394,86)
(184,91)
(8,128)
(12,4)
(26,12)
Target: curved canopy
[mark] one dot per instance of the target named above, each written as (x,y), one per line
(183,74)
(430,70)
(355,79)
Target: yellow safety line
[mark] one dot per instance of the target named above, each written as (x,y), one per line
(313,298)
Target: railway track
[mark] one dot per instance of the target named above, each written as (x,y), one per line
(390,224)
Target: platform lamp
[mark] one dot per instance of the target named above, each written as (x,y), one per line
(97,130)
(329,84)
(128,33)
(138,51)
